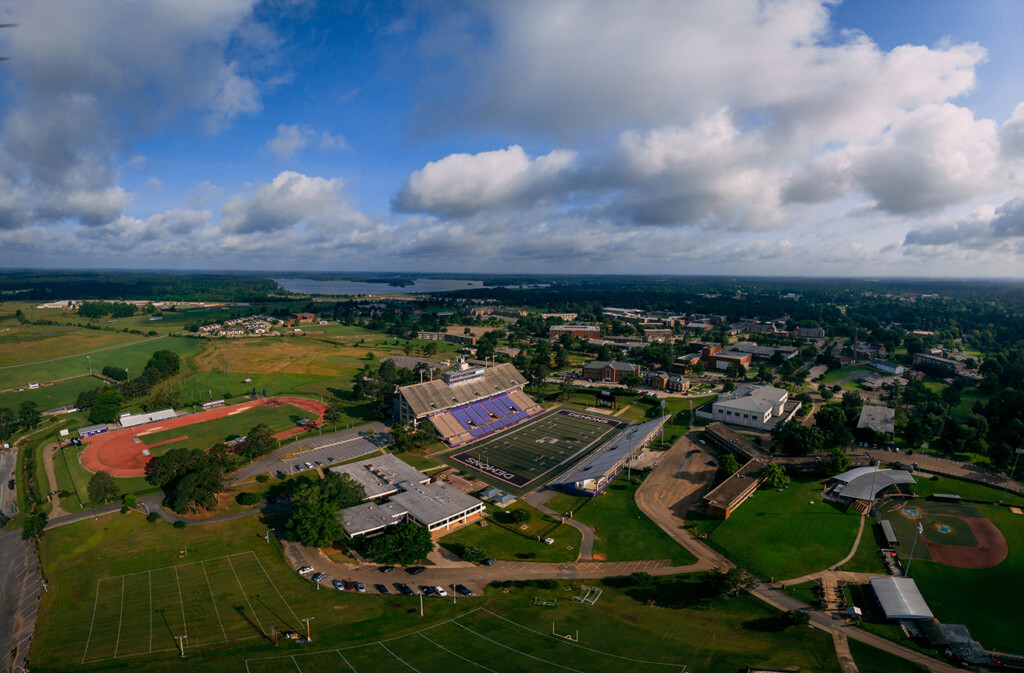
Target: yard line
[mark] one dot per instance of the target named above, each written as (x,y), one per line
(525,654)
(215,610)
(607,654)
(346,660)
(299,668)
(93,622)
(120,617)
(398,657)
(181,601)
(297,620)
(150,573)
(246,597)
(456,654)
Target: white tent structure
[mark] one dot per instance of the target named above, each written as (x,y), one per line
(864,483)
(900,598)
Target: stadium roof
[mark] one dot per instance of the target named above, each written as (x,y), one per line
(864,483)
(879,419)
(381,475)
(900,598)
(608,458)
(130,420)
(433,396)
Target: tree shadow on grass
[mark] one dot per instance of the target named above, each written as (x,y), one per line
(670,592)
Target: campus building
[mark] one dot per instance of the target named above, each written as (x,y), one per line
(575,331)
(754,406)
(590,476)
(862,485)
(610,372)
(382,476)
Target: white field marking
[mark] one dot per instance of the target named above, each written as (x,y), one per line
(297,667)
(246,597)
(297,620)
(181,602)
(150,573)
(525,654)
(120,618)
(176,565)
(569,642)
(93,622)
(399,658)
(215,610)
(346,660)
(169,649)
(455,654)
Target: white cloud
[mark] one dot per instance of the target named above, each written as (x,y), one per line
(291,138)
(462,184)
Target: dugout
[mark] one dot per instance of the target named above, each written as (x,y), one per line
(889,534)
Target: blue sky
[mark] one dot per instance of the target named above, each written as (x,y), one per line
(791,137)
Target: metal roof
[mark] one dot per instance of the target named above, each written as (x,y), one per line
(369,516)
(131,420)
(433,396)
(751,398)
(608,458)
(868,484)
(900,598)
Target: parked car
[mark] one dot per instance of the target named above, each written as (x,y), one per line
(360,587)
(387,569)
(298,467)
(426,590)
(404,589)
(308,465)
(330,459)
(381,589)
(439,591)
(319,577)
(462,590)
(305,570)
(489,561)
(350,585)
(338,584)
(415,570)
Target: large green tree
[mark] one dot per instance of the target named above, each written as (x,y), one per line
(29,414)
(315,518)
(259,441)
(8,424)
(106,407)
(401,544)
(102,487)
(775,475)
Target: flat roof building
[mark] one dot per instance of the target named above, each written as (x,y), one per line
(437,506)
(752,406)
(131,420)
(370,518)
(592,475)
(900,598)
(879,419)
(382,476)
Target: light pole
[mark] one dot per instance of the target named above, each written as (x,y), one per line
(920,530)
(89,358)
(309,637)
(126,375)
(1010,478)
(267,536)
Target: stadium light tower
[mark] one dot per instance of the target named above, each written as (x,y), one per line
(1010,478)
(919,530)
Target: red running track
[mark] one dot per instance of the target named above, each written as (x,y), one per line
(116,452)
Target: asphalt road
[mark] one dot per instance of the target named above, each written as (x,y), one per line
(19,598)
(8,496)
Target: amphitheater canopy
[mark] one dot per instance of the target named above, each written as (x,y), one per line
(865,483)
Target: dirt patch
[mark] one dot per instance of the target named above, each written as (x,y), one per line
(991,549)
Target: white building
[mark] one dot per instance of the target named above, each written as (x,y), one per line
(751,406)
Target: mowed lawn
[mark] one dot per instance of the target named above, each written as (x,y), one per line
(621,531)
(782,535)
(122,588)
(206,434)
(508,541)
(873,660)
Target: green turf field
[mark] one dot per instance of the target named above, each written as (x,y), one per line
(873,660)
(505,540)
(206,434)
(536,447)
(782,535)
(621,531)
(232,586)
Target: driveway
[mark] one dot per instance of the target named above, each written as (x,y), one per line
(8,496)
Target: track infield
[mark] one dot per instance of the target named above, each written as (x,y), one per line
(524,454)
(127,452)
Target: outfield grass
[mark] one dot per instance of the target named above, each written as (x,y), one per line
(780,534)
(621,531)
(74,478)
(239,597)
(873,660)
(927,486)
(502,539)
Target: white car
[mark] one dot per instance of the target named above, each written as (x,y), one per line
(440,591)
(309,465)
(305,570)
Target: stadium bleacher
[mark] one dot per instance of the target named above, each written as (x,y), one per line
(482,417)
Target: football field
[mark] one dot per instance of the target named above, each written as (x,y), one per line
(522,455)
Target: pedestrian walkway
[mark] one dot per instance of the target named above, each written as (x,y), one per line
(539,497)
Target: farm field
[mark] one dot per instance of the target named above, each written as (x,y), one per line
(59,394)
(782,535)
(234,587)
(621,531)
(520,456)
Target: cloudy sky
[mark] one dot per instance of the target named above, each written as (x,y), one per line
(789,137)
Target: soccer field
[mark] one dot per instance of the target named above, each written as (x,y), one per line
(522,455)
(220,600)
(479,640)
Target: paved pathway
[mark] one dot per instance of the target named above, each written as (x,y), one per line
(539,497)
(20,588)
(955,468)
(842,646)
(49,455)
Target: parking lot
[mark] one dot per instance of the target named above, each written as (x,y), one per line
(8,496)
(333,448)
(397,582)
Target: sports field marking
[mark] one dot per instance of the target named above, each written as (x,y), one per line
(246,597)
(120,618)
(95,605)
(576,644)
(512,649)
(456,654)
(297,620)
(339,654)
(181,602)
(216,610)
(150,574)
(399,658)
(296,664)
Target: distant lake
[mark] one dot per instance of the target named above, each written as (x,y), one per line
(347,287)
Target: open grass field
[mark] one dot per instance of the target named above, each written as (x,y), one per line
(782,535)
(873,660)
(505,540)
(29,343)
(58,394)
(206,434)
(522,455)
(500,632)
(74,478)
(621,531)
